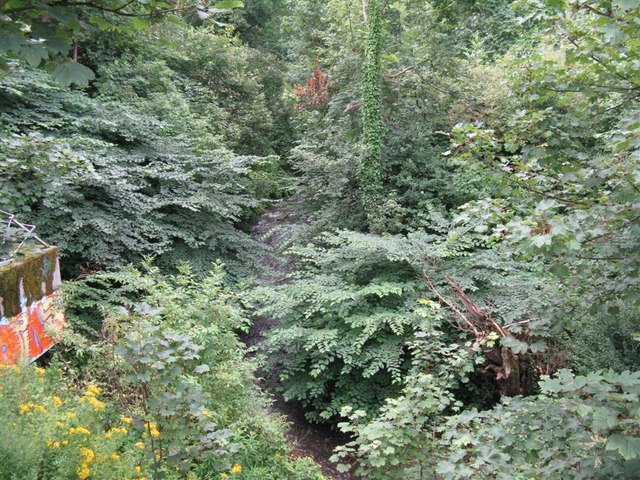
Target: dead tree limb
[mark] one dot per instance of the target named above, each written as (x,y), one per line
(507,366)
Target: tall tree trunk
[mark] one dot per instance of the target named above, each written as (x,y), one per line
(371,173)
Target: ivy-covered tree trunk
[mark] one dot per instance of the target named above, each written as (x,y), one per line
(372,170)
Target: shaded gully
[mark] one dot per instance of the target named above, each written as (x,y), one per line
(308,440)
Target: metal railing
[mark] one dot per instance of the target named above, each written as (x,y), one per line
(13,232)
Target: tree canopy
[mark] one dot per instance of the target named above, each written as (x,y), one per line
(422,215)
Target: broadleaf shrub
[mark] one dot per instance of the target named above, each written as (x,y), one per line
(168,347)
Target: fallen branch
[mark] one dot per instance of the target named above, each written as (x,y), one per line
(501,360)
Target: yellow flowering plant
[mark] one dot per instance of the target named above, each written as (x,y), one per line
(57,432)
(171,353)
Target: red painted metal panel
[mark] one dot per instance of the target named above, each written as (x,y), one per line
(29,334)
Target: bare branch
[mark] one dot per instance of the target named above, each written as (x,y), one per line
(476,312)
(450,305)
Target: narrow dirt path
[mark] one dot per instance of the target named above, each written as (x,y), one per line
(309,440)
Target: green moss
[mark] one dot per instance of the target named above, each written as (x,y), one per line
(9,293)
(49,262)
(33,271)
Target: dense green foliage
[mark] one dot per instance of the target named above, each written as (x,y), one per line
(48,32)
(167,357)
(343,322)
(145,164)
(458,288)
(118,180)
(347,316)
(521,225)
(590,424)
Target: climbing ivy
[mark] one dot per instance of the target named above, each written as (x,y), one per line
(371,173)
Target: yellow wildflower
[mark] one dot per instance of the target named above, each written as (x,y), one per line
(205,413)
(224,475)
(138,469)
(153,429)
(140,445)
(92,391)
(59,370)
(88,454)
(71,415)
(126,420)
(83,471)
(56,444)
(40,371)
(57,401)
(59,424)
(97,405)
(79,431)
(49,443)
(29,407)
(115,456)
(110,433)
(65,442)
(236,469)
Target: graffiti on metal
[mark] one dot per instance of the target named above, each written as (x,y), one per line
(28,335)
(31,312)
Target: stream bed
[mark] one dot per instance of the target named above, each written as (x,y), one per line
(308,440)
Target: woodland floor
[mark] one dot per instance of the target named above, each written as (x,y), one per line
(309,440)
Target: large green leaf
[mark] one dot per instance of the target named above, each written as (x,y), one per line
(71,72)
(34,54)
(628,447)
(229,4)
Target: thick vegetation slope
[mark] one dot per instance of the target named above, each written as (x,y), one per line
(462,296)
